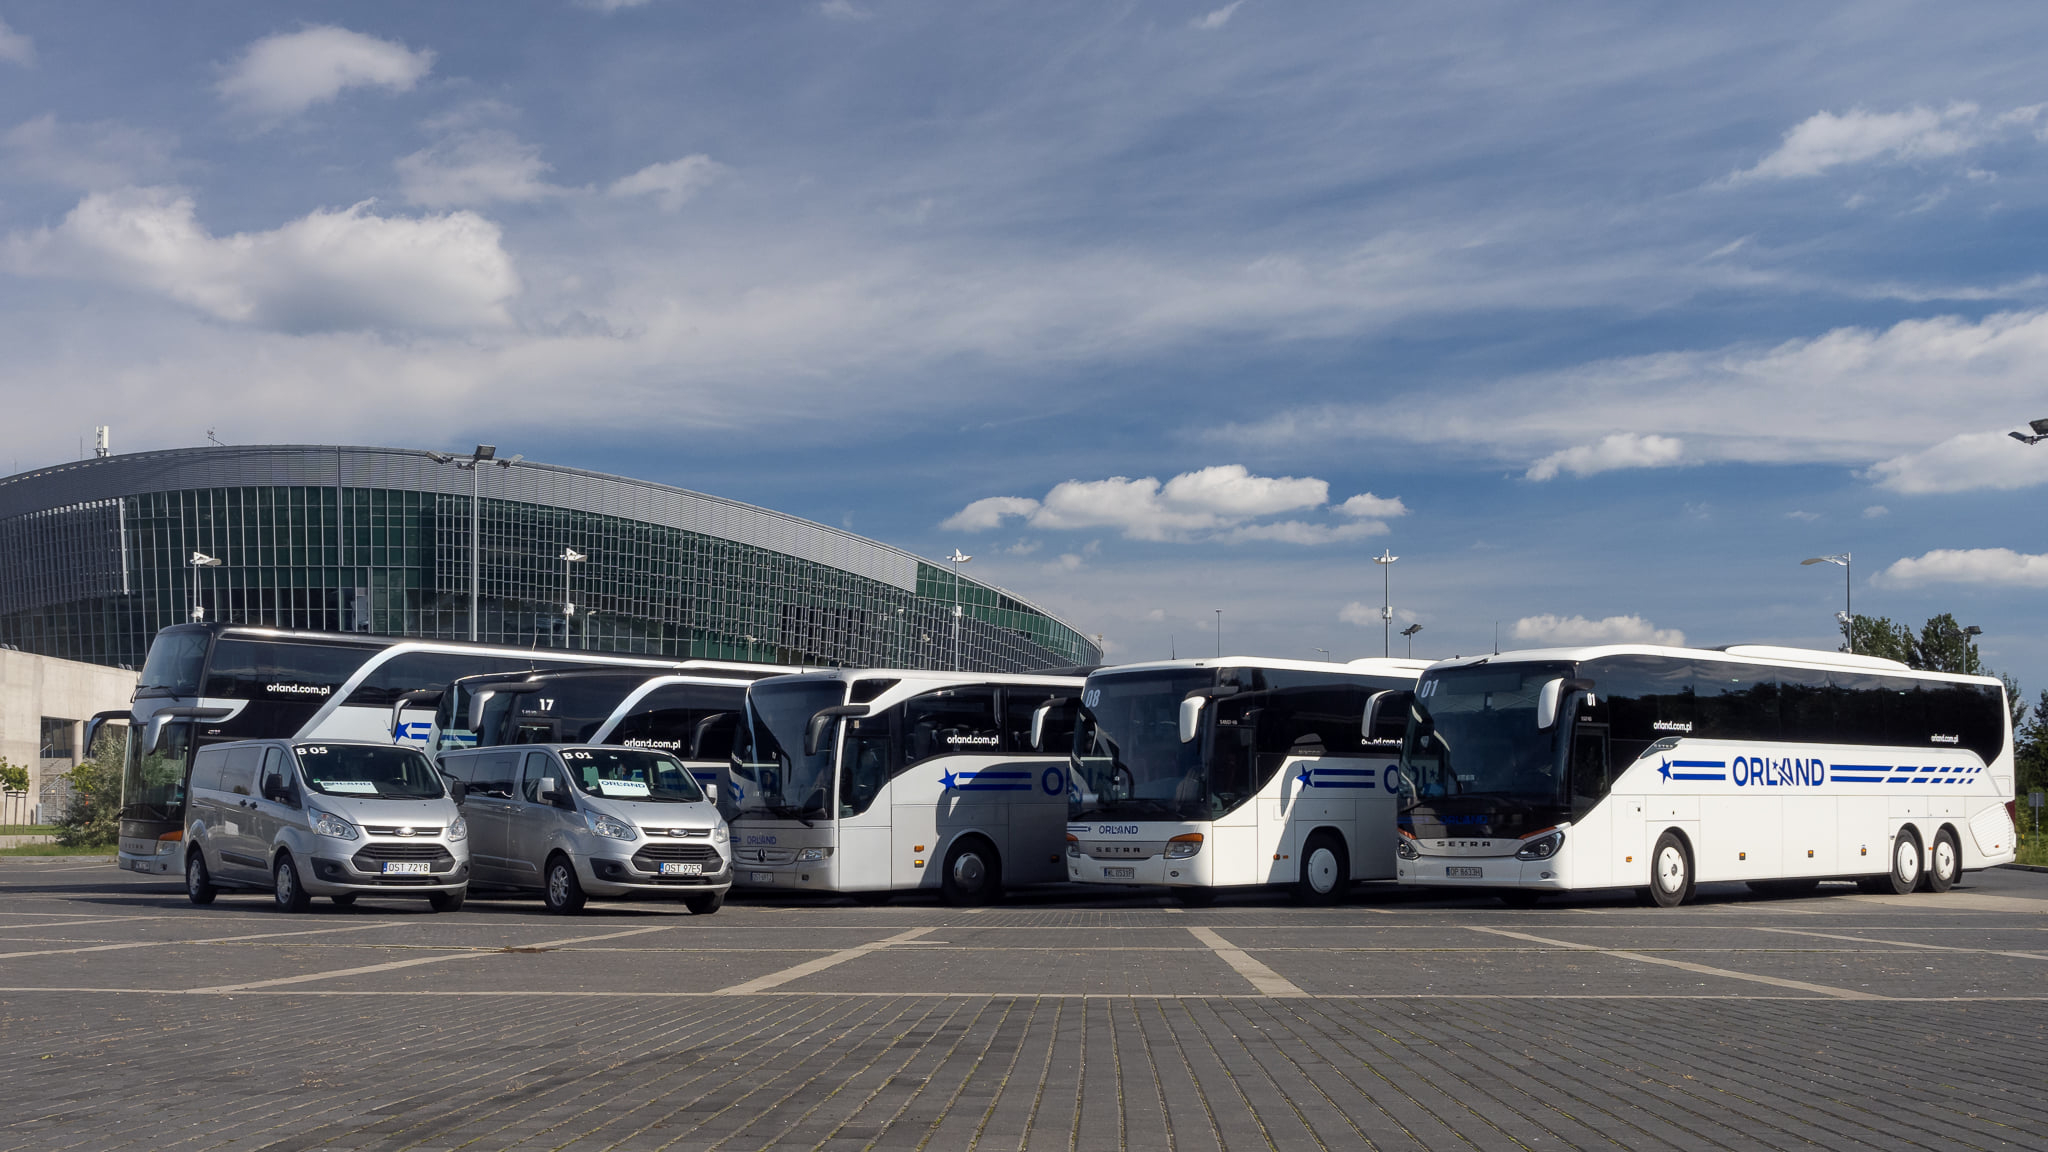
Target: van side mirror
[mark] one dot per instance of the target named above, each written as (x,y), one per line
(822,721)
(551,793)
(1191,718)
(457,790)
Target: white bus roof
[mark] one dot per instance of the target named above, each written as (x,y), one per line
(1374,666)
(1762,654)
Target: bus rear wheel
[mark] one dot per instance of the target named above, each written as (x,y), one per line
(1325,870)
(973,873)
(1944,863)
(1670,871)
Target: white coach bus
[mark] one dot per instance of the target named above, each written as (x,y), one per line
(1240,771)
(872,781)
(1652,768)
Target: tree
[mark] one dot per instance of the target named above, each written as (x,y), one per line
(1944,647)
(1878,636)
(2030,751)
(13,777)
(92,818)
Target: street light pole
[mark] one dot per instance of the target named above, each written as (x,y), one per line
(484,454)
(1848,592)
(956,560)
(1386,562)
(569,556)
(199,560)
(1410,632)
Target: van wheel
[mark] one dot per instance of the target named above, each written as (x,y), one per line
(1946,867)
(704,905)
(1670,871)
(1905,863)
(285,887)
(198,885)
(1325,870)
(973,873)
(345,900)
(442,901)
(564,892)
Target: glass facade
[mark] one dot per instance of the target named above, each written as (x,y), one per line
(688,575)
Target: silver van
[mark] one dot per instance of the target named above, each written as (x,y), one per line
(580,820)
(333,818)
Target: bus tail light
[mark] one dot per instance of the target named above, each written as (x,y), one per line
(1183,846)
(1541,847)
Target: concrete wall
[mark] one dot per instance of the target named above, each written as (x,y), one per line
(33,687)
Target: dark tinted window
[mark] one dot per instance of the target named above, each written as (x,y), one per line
(173,666)
(1735,701)
(415,671)
(488,774)
(1807,703)
(951,721)
(692,721)
(863,691)
(1022,701)
(868,759)
(538,767)
(262,670)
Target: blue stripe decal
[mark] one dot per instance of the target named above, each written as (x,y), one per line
(1841,779)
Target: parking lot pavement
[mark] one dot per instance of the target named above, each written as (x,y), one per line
(1061,1018)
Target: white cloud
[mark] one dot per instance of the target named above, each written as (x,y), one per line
(1875,511)
(1365,504)
(99,155)
(1962,463)
(1616,451)
(844,10)
(475,167)
(326,271)
(1211,21)
(1359,613)
(1570,631)
(15,47)
(1220,502)
(988,513)
(2001,567)
(1825,140)
(671,183)
(285,74)
(1808,517)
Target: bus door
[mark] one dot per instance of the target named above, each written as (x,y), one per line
(868,760)
(1590,776)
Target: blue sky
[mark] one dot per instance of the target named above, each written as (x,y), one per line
(1601,317)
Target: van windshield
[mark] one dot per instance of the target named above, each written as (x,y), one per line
(631,774)
(369,770)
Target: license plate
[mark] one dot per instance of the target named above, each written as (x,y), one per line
(1119,873)
(760,877)
(682,869)
(1462,872)
(405,867)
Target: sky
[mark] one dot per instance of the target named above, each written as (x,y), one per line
(1599,317)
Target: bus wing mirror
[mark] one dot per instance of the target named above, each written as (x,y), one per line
(1553,695)
(1373,706)
(1191,718)
(99,721)
(821,722)
(702,729)
(477,700)
(1038,720)
(410,700)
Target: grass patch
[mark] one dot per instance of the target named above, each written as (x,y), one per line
(28,829)
(56,850)
(2033,848)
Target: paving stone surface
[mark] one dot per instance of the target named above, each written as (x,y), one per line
(1092,1019)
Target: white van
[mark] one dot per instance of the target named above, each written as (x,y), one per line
(333,818)
(579,820)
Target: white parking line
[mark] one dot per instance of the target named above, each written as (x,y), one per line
(1903,943)
(333,974)
(1703,969)
(209,940)
(773,979)
(1267,981)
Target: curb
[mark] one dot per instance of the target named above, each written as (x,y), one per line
(2024,867)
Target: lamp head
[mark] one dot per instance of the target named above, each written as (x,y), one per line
(1411,630)
(1973,630)
(958,557)
(2040,427)
(439,457)
(484,452)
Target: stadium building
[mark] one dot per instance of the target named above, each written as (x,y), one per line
(102,553)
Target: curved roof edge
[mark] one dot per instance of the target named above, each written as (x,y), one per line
(415,469)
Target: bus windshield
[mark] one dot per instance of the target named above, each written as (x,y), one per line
(1473,747)
(631,774)
(1128,760)
(369,770)
(153,782)
(768,750)
(175,664)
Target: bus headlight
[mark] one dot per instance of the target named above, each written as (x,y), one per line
(458,830)
(1183,846)
(812,855)
(610,828)
(1541,848)
(328,824)
(1073,846)
(1405,849)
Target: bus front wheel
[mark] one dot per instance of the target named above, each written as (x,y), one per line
(1945,863)
(1670,871)
(973,874)
(1325,870)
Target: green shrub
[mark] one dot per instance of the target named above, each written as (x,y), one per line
(13,777)
(92,818)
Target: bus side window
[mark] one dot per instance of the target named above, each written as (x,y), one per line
(1589,764)
(867,761)
(950,722)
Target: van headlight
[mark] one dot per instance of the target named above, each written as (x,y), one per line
(612,829)
(721,834)
(1541,848)
(458,830)
(1183,846)
(328,824)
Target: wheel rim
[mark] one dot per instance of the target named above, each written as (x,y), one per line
(287,884)
(969,871)
(1907,860)
(1671,869)
(558,885)
(1945,859)
(192,881)
(1322,871)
